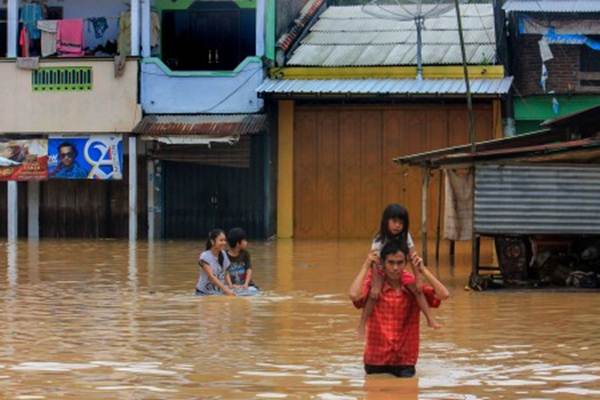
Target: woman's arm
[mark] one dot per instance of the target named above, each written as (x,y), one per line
(355,292)
(214,280)
(248,278)
(228,280)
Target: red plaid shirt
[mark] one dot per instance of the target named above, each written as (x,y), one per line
(392,336)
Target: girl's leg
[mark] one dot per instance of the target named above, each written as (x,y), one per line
(424,306)
(376,285)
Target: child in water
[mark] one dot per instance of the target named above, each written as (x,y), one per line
(239,274)
(394,226)
(213,266)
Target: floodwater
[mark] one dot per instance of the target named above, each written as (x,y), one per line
(106,320)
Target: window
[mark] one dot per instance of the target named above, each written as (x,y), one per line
(208,36)
(590,58)
(3,32)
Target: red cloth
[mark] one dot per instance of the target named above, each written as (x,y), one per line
(432,299)
(392,334)
(69,37)
(24,42)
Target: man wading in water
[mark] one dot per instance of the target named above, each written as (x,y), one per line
(392,332)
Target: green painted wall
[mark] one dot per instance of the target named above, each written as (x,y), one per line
(270,29)
(185,4)
(539,108)
(531,111)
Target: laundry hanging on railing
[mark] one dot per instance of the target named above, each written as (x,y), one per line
(69,38)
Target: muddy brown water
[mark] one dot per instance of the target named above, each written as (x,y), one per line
(106,320)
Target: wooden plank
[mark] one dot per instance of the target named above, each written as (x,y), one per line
(351,211)
(394,190)
(328,174)
(305,174)
(371,170)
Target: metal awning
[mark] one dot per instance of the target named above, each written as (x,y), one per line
(383,87)
(201,125)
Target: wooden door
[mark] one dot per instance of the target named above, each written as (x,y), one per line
(344,174)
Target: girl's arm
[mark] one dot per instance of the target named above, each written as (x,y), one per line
(214,280)
(248,278)
(355,292)
(228,280)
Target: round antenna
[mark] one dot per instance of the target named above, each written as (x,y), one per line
(409,10)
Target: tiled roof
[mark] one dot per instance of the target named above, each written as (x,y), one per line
(202,124)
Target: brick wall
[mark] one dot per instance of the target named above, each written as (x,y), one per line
(527,64)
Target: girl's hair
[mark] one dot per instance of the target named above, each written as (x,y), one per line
(213,235)
(393,211)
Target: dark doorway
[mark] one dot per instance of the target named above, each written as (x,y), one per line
(208,36)
(198,198)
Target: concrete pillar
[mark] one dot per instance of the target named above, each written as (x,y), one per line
(12,27)
(33,210)
(135,27)
(132,188)
(146,29)
(13,211)
(260,27)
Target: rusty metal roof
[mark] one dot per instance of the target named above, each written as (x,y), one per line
(201,124)
(350,36)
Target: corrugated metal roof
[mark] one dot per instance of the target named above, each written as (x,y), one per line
(559,6)
(384,86)
(201,124)
(545,199)
(350,36)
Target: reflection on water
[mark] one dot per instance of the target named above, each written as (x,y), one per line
(110,320)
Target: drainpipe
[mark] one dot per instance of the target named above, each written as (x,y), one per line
(135,28)
(146,29)
(260,27)
(12,28)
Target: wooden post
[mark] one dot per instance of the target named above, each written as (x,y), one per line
(424,202)
(439,217)
(13,210)
(33,210)
(151,202)
(132,188)
(285,169)
(12,28)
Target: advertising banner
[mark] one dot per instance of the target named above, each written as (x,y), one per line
(23,160)
(85,157)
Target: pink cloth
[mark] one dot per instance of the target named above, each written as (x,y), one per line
(69,37)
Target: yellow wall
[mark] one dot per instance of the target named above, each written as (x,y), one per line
(111,105)
(285,175)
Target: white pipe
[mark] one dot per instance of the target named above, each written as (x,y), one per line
(132,188)
(146,29)
(135,28)
(13,211)
(12,28)
(260,27)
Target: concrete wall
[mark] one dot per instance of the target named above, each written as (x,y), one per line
(111,106)
(168,92)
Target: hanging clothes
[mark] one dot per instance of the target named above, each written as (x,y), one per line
(155,32)
(24,42)
(69,37)
(31,13)
(458,208)
(98,32)
(124,40)
(48,29)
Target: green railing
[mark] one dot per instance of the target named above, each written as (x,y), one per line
(61,79)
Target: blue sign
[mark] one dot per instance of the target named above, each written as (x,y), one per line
(85,157)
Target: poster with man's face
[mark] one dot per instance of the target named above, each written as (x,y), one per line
(23,160)
(85,157)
